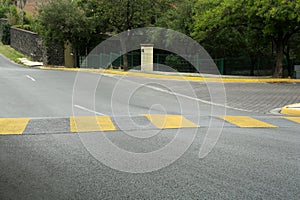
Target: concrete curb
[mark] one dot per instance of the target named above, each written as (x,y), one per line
(203,78)
(293,109)
(29,63)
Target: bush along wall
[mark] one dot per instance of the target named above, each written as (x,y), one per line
(2,21)
(5,39)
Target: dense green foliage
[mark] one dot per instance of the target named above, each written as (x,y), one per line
(3,10)
(259,31)
(275,21)
(5,34)
(4,7)
(123,15)
(10,11)
(63,21)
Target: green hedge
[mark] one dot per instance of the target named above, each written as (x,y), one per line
(26,27)
(6,34)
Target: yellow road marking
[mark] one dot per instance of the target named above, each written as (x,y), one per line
(91,124)
(176,77)
(170,121)
(294,119)
(247,122)
(13,125)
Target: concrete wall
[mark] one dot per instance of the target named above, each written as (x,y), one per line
(30,44)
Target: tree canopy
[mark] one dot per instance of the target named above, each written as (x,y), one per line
(277,20)
(226,28)
(63,21)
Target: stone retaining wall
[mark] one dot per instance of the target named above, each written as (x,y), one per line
(30,44)
(26,42)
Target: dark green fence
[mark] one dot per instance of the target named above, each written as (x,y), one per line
(163,62)
(261,66)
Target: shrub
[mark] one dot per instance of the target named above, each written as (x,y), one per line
(3,11)
(26,27)
(4,7)
(13,15)
(6,34)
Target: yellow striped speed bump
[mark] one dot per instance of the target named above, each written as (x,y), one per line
(247,122)
(294,119)
(14,126)
(293,109)
(17,126)
(170,121)
(91,124)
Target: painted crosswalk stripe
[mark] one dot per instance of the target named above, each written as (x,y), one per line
(15,126)
(170,121)
(91,124)
(294,119)
(247,122)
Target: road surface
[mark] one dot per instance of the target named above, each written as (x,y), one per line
(256,157)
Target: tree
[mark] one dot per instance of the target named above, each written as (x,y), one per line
(277,20)
(8,10)
(13,15)
(4,8)
(124,15)
(292,53)
(117,16)
(21,5)
(64,21)
(177,15)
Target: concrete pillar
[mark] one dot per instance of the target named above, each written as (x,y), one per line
(147,57)
(297,71)
(69,57)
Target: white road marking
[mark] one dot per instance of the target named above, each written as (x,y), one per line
(30,78)
(89,110)
(276,111)
(195,99)
(179,95)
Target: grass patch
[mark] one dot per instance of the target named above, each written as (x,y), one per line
(10,53)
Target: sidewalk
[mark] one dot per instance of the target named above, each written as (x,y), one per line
(29,63)
(293,109)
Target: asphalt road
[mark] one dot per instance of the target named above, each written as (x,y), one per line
(246,163)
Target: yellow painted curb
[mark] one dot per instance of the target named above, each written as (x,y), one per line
(174,77)
(293,109)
